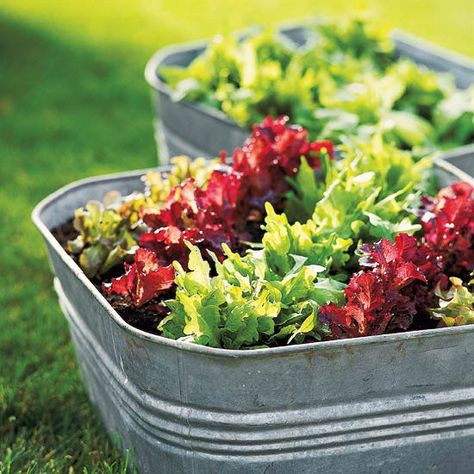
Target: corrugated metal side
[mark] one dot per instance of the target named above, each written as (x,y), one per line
(396,406)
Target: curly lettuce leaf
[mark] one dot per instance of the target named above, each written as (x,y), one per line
(109,231)
(456,304)
(368,194)
(283,241)
(248,303)
(144,280)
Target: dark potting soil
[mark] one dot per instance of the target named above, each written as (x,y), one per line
(64,233)
(141,318)
(145,318)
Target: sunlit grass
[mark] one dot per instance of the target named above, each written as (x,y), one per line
(147,24)
(73,103)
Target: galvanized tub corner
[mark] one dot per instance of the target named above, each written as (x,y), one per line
(391,403)
(194,129)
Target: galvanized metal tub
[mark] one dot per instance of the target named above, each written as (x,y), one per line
(462,158)
(392,403)
(194,129)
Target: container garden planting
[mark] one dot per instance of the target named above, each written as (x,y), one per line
(335,78)
(220,326)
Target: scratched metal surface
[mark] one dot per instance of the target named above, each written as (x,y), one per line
(193,129)
(392,403)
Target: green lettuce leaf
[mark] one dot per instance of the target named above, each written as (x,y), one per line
(249,302)
(456,304)
(344,81)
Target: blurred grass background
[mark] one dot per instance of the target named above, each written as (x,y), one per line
(73,103)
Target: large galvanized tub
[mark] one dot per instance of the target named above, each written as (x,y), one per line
(195,129)
(393,403)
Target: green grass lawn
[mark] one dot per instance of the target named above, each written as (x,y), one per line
(73,103)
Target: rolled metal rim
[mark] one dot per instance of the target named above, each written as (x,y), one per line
(188,346)
(454,56)
(458,152)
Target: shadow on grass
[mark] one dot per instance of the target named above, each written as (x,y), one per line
(66,111)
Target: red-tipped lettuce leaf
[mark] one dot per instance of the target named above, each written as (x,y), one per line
(143,280)
(378,298)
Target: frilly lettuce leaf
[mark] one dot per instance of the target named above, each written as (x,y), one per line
(456,304)
(368,194)
(454,117)
(283,241)
(108,231)
(249,302)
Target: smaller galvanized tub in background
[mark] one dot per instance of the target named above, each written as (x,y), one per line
(393,403)
(194,129)
(462,158)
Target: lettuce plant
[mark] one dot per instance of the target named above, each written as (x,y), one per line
(108,231)
(283,244)
(377,298)
(247,304)
(283,241)
(273,154)
(456,304)
(205,216)
(158,185)
(448,227)
(454,117)
(105,238)
(346,80)
(143,280)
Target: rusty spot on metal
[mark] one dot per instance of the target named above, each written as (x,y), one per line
(134,347)
(351,350)
(309,357)
(329,355)
(400,347)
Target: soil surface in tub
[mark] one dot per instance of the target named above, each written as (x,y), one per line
(140,318)
(144,319)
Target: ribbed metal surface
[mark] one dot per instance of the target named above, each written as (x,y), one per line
(392,403)
(199,130)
